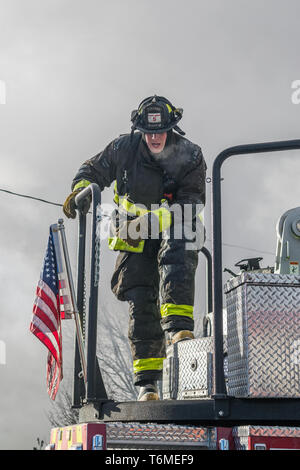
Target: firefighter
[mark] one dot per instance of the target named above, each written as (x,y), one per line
(156,170)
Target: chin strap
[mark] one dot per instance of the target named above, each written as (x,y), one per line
(132,132)
(180,131)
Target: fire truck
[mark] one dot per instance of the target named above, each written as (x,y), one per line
(234,388)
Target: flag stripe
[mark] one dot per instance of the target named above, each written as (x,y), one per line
(55,382)
(62,282)
(45,340)
(40,306)
(52,369)
(40,294)
(44,286)
(39,329)
(51,345)
(47,324)
(54,375)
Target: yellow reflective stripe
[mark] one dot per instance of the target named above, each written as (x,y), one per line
(152,363)
(132,208)
(116,196)
(173,309)
(164,217)
(169,107)
(117,244)
(81,184)
(200,215)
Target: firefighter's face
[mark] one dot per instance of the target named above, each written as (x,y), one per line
(156,142)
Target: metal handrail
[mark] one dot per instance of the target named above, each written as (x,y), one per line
(219,380)
(95,389)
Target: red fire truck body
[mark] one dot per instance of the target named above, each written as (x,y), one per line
(133,436)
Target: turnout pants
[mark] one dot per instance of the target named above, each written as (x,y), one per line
(159,285)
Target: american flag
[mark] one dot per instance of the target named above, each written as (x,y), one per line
(66,309)
(46,319)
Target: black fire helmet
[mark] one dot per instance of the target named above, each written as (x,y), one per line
(156,115)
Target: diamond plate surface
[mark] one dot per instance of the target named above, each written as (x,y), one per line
(190,365)
(170,378)
(261,278)
(188,369)
(264,336)
(160,433)
(195,375)
(268,431)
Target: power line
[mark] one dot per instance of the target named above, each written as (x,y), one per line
(105,215)
(31,197)
(249,249)
(245,248)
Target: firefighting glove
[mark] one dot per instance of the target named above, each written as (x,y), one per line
(133,231)
(69,207)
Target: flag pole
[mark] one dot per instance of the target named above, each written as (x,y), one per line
(61,230)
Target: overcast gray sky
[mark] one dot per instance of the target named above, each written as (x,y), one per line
(73,71)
